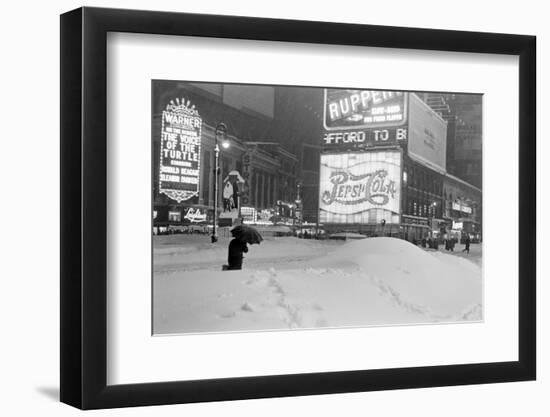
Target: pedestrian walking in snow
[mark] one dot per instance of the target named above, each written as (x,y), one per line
(467,245)
(237,247)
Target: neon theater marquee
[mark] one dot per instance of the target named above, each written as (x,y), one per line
(180,146)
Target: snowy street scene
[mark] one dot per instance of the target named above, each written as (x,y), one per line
(296,283)
(283,207)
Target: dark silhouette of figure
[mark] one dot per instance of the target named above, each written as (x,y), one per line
(467,245)
(237,248)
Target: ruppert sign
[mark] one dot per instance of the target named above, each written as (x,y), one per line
(180,146)
(364,118)
(352,109)
(363,187)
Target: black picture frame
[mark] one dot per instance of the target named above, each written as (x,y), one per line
(84,207)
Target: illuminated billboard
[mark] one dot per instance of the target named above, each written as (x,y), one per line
(357,139)
(427,140)
(360,188)
(180,145)
(359,119)
(357,109)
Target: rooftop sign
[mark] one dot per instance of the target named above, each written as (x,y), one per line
(353,109)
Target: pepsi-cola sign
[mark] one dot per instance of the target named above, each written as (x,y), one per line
(362,187)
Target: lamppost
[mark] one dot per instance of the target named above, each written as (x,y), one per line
(298,211)
(434,205)
(221,130)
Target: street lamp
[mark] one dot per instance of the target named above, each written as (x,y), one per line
(298,211)
(434,205)
(221,130)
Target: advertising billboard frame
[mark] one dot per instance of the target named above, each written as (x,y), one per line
(412,140)
(396,149)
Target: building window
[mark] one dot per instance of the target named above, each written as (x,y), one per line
(174,216)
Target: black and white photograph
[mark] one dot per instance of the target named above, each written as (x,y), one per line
(280,207)
(275,208)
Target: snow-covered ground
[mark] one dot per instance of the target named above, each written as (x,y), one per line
(291,283)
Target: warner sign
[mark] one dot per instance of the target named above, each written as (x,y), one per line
(180,144)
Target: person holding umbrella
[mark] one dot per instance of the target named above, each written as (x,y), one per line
(238,246)
(237,249)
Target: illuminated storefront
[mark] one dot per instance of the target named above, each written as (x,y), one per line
(463,212)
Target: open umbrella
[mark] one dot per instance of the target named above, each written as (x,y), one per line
(247,234)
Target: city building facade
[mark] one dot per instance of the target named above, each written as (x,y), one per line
(385,123)
(462,209)
(463,114)
(267,172)
(365,161)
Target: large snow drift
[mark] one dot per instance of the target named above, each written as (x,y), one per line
(294,283)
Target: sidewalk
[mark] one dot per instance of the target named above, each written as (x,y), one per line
(475,254)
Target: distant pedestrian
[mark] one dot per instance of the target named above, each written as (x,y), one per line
(467,245)
(237,247)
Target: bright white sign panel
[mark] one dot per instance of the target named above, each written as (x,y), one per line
(427,134)
(360,187)
(180,146)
